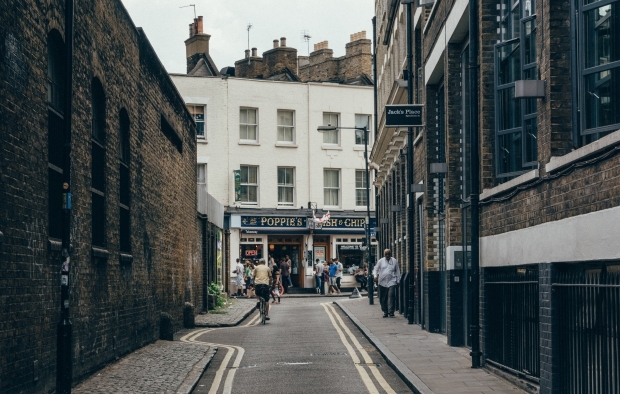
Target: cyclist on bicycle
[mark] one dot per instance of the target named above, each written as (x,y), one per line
(262,282)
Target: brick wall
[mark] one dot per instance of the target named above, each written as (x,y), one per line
(115,306)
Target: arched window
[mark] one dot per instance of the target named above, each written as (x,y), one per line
(125,184)
(98,164)
(55,130)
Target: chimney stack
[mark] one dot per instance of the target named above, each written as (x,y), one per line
(276,43)
(254,52)
(197,45)
(282,41)
(247,53)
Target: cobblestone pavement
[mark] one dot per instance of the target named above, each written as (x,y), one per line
(421,358)
(162,367)
(235,313)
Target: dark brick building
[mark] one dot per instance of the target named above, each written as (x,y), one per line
(135,247)
(549,131)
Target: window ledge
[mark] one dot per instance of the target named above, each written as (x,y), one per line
(248,206)
(361,209)
(558,162)
(100,252)
(125,258)
(286,207)
(335,209)
(202,140)
(511,184)
(247,142)
(286,145)
(331,147)
(359,147)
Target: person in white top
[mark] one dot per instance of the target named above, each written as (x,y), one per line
(318,272)
(239,270)
(387,276)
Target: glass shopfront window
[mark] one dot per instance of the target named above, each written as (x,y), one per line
(251,249)
(350,255)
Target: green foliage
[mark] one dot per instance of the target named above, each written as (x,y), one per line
(214,290)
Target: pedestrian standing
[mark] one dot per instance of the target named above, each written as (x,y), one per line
(239,270)
(271,263)
(290,267)
(285,271)
(325,276)
(249,269)
(275,290)
(387,276)
(333,269)
(318,274)
(338,273)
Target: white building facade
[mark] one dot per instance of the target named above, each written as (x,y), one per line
(265,133)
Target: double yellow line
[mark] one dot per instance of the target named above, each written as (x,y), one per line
(341,328)
(230,350)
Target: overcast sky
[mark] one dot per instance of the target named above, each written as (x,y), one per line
(167,26)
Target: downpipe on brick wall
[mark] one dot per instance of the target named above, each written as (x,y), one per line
(64,357)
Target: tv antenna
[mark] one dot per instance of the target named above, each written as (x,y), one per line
(305,36)
(248,28)
(191,5)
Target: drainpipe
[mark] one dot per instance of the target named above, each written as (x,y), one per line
(370,279)
(64,356)
(410,178)
(475,185)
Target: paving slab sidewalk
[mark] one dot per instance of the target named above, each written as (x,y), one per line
(161,367)
(239,309)
(424,360)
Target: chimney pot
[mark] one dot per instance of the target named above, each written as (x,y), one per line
(191,30)
(275,43)
(247,53)
(282,41)
(200,25)
(254,52)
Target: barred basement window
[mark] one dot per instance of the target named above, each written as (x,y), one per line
(515,120)
(98,164)
(125,185)
(55,131)
(596,61)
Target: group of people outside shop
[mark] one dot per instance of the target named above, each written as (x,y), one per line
(328,272)
(280,274)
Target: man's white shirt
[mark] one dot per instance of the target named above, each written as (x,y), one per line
(387,271)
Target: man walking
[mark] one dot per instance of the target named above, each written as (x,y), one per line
(290,267)
(387,276)
(318,273)
(333,269)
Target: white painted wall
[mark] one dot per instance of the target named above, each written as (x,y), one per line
(224,153)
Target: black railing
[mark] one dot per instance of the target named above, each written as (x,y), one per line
(511,314)
(589,334)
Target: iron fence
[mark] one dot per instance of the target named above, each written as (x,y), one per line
(511,315)
(589,331)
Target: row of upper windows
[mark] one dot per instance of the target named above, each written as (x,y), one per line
(248,192)
(249,125)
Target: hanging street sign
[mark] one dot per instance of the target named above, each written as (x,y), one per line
(403,115)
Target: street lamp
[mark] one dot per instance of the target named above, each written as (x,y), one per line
(322,129)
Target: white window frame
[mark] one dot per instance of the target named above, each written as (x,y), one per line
(191,108)
(331,188)
(286,185)
(248,125)
(284,128)
(358,123)
(328,135)
(360,189)
(248,184)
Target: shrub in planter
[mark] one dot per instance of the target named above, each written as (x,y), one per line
(188,315)
(166,331)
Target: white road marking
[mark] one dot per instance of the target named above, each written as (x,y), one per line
(363,374)
(365,355)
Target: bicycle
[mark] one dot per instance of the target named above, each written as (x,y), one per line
(263,310)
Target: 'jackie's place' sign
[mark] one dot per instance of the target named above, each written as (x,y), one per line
(403,115)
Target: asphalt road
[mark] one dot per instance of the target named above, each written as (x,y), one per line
(308,346)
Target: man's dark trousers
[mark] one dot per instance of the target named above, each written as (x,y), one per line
(387,298)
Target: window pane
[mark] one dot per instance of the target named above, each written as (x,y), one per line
(529,42)
(285,118)
(601,36)
(509,150)
(331,178)
(531,140)
(252,116)
(360,179)
(602,98)
(285,194)
(252,175)
(509,63)
(330,137)
(251,132)
(360,197)
(243,116)
(509,109)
